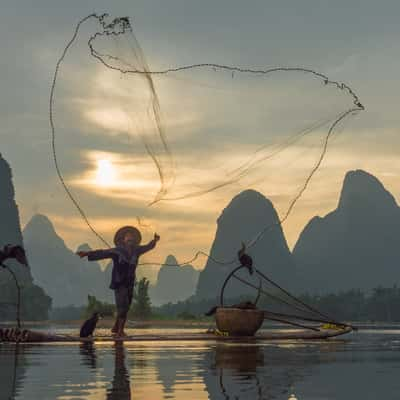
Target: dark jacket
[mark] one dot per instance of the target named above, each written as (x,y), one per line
(124,268)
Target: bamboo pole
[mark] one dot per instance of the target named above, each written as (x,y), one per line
(18,316)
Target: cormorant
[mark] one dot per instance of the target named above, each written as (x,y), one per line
(245,259)
(16,252)
(89,325)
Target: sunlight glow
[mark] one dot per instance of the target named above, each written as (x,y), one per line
(105,173)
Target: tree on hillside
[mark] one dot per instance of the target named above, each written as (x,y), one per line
(142,305)
(94,305)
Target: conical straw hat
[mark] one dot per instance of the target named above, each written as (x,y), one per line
(121,232)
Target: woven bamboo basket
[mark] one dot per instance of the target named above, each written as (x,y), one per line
(239,322)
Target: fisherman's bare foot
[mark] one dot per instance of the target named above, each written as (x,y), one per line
(114,329)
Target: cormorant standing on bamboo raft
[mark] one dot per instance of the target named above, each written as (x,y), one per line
(89,325)
(125,258)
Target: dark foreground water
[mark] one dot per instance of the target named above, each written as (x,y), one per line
(364,365)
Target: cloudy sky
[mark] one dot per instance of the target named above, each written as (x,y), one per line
(214,121)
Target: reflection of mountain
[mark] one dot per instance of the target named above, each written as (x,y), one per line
(234,371)
(174,282)
(66,277)
(235,358)
(167,370)
(356,245)
(252,372)
(333,369)
(52,372)
(175,366)
(245,216)
(35,303)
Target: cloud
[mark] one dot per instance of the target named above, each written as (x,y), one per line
(207,140)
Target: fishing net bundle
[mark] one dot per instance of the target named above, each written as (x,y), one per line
(182,133)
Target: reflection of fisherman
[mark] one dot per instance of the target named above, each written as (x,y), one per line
(125,258)
(120,389)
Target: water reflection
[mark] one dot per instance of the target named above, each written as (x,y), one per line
(146,372)
(120,389)
(11,370)
(194,370)
(233,360)
(88,354)
(249,372)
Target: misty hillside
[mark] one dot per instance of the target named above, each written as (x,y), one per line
(355,246)
(67,278)
(174,282)
(35,302)
(244,217)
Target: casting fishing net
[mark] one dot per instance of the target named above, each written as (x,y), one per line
(185,135)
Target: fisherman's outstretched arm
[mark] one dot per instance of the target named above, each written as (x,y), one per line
(95,255)
(149,246)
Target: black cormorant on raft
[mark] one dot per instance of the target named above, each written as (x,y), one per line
(88,327)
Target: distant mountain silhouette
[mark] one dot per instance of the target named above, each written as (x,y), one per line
(174,282)
(99,277)
(355,246)
(35,302)
(245,216)
(66,277)
(10,230)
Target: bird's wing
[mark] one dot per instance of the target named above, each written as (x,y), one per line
(18,253)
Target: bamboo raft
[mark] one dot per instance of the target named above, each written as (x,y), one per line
(15,335)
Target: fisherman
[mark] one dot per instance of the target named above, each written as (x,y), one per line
(125,258)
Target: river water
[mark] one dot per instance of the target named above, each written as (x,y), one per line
(363,365)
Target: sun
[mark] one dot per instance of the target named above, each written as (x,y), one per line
(105,173)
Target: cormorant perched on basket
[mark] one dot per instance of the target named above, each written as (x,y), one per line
(16,252)
(89,325)
(245,259)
